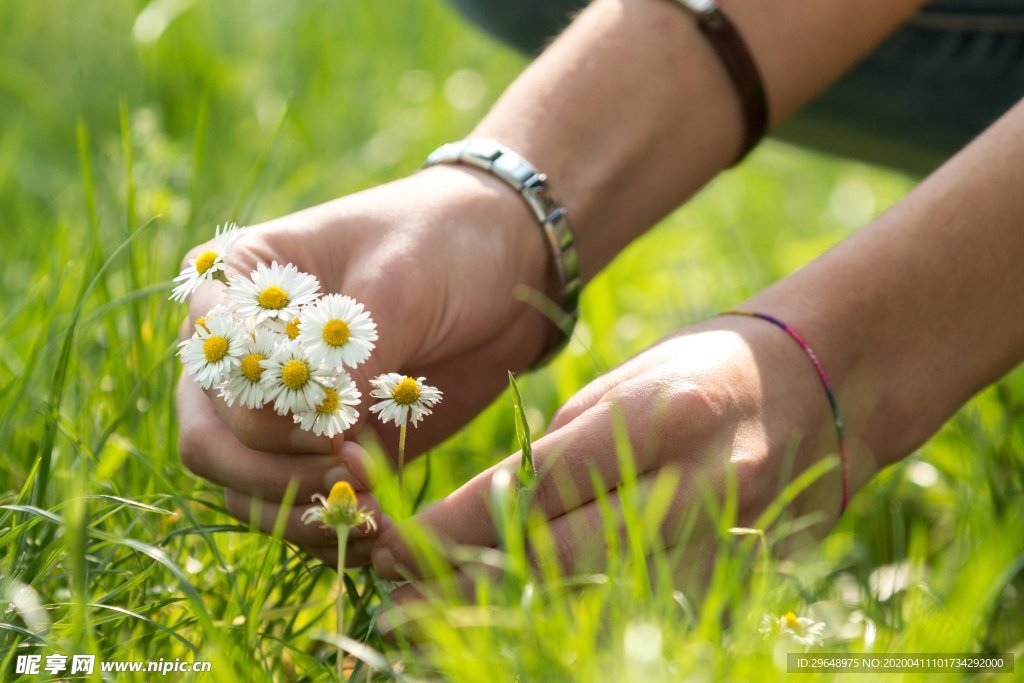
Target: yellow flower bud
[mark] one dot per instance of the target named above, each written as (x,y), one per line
(339,508)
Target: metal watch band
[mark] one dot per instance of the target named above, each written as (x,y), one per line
(532,186)
(727,42)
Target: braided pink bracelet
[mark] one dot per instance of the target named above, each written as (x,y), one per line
(823,376)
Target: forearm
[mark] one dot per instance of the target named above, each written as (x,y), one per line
(630,111)
(923,308)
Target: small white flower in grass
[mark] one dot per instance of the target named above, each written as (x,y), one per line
(404,399)
(339,508)
(336,412)
(208,265)
(273,294)
(217,345)
(243,381)
(337,331)
(802,630)
(292,382)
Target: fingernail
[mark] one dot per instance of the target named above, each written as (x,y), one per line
(307,442)
(362,463)
(336,474)
(383,562)
(388,620)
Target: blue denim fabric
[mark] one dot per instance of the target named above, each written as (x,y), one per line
(923,94)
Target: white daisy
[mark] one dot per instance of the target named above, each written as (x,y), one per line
(217,345)
(275,293)
(801,630)
(243,381)
(336,412)
(208,265)
(405,399)
(337,331)
(292,382)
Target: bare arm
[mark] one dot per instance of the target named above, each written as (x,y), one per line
(925,306)
(630,111)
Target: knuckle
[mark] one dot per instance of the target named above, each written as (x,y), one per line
(669,393)
(248,439)
(236,505)
(626,392)
(565,414)
(565,556)
(189,451)
(251,428)
(248,252)
(698,402)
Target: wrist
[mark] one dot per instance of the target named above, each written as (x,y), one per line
(487,201)
(491,228)
(848,331)
(831,389)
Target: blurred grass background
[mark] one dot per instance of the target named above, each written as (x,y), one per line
(159,120)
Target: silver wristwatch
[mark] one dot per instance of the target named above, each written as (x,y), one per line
(532,186)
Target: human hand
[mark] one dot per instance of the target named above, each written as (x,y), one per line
(730,392)
(435,259)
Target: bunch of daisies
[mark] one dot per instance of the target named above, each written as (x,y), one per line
(279,340)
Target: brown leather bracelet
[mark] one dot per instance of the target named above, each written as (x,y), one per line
(739,64)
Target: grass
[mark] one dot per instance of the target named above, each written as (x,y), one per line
(127,131)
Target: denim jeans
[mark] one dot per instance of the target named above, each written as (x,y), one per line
(924,93)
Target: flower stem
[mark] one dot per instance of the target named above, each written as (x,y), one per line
(401,461)
(342,531)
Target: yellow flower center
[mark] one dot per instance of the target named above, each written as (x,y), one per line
(295,374)
(292,329)
(330,402)
(406,392)
(205,261)
(791,620)
(342,495)
(215,348)
(336,332)
(251,367)
(342,508)
(274,298)
(201,322)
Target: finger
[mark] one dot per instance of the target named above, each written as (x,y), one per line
(585,540)
(209,449)
(186,329)
(357,553)
(670,517)
(263,429)
(204,299)
(573,463)
(412,605)
(265,515)
(581,541)
(597,388)
(584,399)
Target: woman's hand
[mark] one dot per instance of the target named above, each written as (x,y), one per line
(435,258)
(730,392)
